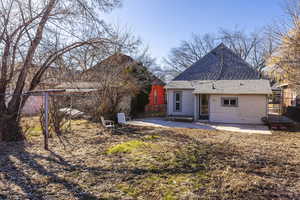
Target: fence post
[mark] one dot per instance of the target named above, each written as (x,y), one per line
(46,109)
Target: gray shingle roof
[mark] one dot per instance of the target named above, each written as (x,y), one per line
(219,64)
(234,87)
(120,62)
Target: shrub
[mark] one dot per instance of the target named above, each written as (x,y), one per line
(293,113)
(127,147)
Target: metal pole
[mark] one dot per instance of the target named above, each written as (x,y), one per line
(46,109)
(70,114)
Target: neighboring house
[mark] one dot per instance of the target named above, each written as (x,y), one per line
(290,95)
(33,105)
(157,100)
(120,69)
(52,77)
(289,91)
(116,71)
(220,87)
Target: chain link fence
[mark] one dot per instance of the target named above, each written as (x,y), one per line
(278,104)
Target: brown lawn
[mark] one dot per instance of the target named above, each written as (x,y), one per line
(151,163)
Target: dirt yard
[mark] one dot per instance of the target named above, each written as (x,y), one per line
(151,163)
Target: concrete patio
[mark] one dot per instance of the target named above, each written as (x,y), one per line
(242,128)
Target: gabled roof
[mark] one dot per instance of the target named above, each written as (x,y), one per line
(158,81)
(219,64)
(119,62)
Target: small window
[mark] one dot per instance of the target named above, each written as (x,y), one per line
(226,102)
(177,107)
(155,97)
(177,94)
(233,102)
(229,101)
(177,101)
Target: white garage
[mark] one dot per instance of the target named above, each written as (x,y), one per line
(224,101)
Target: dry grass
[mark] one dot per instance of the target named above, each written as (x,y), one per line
(152,163)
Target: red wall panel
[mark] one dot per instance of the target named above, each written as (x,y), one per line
(157,95)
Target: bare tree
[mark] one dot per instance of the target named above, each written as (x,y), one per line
(37,33)
(285,61)
(86,57)
(144,56)
(252,47)
(124,42)
(189,52)
(115,85)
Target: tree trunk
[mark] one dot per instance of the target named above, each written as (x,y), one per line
(10,129)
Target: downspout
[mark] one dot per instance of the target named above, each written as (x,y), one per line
(195,107)
(167,104)
(267,106)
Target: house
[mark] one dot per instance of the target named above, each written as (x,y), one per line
(287,93)
(120,69)
(51,78)
(220,87)
(126,80)
(290,95)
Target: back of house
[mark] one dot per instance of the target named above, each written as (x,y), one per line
(220,87)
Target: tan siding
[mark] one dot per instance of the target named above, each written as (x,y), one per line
(250,110)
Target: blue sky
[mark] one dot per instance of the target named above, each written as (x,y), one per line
(162,24)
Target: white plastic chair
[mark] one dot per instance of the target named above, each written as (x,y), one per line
(107,123)
(121,118)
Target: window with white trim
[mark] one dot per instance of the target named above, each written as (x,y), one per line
(229,101)
(177,101)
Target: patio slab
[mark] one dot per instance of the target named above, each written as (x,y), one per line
(242,128)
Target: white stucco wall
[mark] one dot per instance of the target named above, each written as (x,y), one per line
(250,110)
(187,103)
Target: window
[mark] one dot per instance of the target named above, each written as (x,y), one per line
(177,101)
(155,96)
(229,101)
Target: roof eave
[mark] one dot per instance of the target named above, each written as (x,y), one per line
(232,93)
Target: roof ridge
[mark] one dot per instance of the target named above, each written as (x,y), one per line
(221,46)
